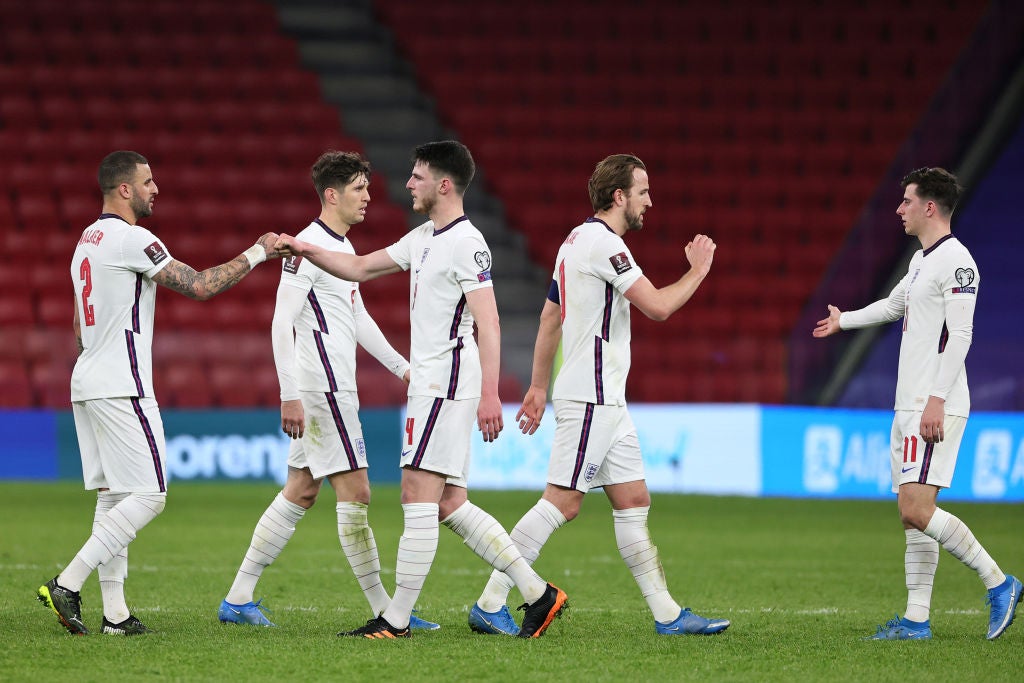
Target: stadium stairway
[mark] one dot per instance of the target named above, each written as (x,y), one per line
(377,91)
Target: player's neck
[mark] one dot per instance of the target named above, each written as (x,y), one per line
(614,220)
(443,215)
(123,211)
(930,237)
(336,225)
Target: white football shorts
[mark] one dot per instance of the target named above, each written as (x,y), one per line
(333,439)
(914,461)
(594,446)
(437,436)
(122,444)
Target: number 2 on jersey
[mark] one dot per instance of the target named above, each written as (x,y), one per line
(87,310)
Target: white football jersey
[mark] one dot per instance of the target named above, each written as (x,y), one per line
(942,273)
(592,271)
(325,331)
(446,264)
(111,270)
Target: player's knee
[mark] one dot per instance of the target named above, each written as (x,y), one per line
(569,509)
(306,497)
(915,517)
(155,502)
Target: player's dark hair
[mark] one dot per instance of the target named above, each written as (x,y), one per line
(448,158)
(612,173)
(936,184)
(118,167)
(337,169)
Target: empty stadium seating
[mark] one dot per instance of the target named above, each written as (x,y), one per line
(764,125)
(215,97)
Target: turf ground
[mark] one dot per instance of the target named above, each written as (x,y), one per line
(801,580)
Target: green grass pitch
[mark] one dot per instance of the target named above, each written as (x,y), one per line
(801,580)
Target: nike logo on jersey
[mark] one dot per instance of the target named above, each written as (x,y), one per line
(405,453)
(907,469)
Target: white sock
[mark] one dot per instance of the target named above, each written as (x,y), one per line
(113,573)
(529,534)
(416,550)
(961,544)
(360,548)
(641,556)
(269,538)
(488,539)
(919,564)
(111,534)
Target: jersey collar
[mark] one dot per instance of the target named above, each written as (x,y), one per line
(111,215)
(451,225)
(594,219)
(340,238)
(941,240)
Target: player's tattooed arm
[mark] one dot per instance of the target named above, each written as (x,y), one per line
(203,285)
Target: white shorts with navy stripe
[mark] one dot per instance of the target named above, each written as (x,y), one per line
(122,444)
(333,439)
(914,461)
(437,436)
(594,445)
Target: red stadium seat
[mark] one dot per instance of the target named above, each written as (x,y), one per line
(15,385)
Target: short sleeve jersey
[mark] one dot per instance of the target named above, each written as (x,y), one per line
(593,270)
(112,270)
(325,331)
(942,273)
(445,264)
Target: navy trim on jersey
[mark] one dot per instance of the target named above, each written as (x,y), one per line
(428,429)
(318,311)
(154,450)
(453,379)
(339,422)
(332,382)
(340,238)
(457,318)
(581,449)
(599,370)
(135,306)
(133,359)
(941,240)
(553,295)
(943,337)
(450,225)
(111,215)
(606,322)
(594,219)
(926,463)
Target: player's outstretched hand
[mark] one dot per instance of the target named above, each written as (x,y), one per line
(268,241)
(287,245)
(532,411)
(829,325)
(699,252)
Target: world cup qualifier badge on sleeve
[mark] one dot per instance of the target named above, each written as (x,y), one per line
(156,253)
(620,262)
(964,277)
(483,259)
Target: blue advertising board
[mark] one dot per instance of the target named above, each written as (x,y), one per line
(744,450)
